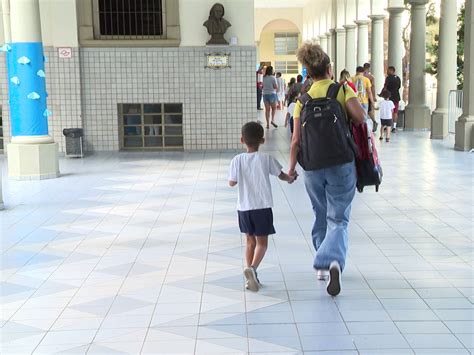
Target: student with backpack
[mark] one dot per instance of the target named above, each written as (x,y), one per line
(321,145)
(364,92)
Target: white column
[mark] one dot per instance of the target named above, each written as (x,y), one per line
(351,54)
(446,67)
(395,40)
(332,45)
(340,51)
(417,113)
(362,42)
(323,40)
(377,51)
(465,124)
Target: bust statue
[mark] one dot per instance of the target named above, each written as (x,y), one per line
(217,25)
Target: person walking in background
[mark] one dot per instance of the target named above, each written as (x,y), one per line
(259,87)
(345,78)
(308,82)
(288,88)
(364,91)
(393,85)
(270,98)
(281,91)
(295,90)
(331,187)
(372,107)
(386,114)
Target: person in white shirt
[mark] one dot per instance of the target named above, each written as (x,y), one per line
(386,115)
(251,172)
(289,114)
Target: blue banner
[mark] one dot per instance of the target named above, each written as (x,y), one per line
(27,89)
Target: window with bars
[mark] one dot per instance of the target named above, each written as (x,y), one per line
(129,19)
(286,67)
(151,126)
(286,43)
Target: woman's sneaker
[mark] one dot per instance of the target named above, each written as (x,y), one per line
(334,284)
(251,277)
(322,275)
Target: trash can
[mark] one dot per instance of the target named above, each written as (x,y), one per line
(73,142)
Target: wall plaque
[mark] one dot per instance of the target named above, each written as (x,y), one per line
(217,61)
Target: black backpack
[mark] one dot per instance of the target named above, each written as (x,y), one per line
(325,139)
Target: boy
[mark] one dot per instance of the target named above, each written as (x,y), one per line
(251,171)
(386,115)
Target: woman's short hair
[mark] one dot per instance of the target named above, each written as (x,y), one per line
(314,59)
(269,70)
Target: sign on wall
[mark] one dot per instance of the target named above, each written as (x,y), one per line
(217,61)
(65,52)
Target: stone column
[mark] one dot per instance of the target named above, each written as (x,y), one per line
(323,40)
(351,55)
(465,124)
(446,67)
(32,154)
(330,50)
(417,113)
(395,40)
(340,51)
(377,51)
(362,41)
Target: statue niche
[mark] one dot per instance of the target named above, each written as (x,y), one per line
(217,25)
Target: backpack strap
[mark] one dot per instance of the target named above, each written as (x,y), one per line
(303,99)
(333,91)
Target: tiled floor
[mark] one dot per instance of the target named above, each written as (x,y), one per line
(130,253)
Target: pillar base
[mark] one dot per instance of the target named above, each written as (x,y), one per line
(417,118)
(33,161)
(464,140)
(439,124)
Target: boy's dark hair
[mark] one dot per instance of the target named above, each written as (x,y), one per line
(278,75)
(299,78)
(366,66)
(360,70)
(392,68)
(385,94)
(252,134)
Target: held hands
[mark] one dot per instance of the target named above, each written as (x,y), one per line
(293,175)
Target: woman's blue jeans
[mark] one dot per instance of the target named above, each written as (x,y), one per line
(331,192)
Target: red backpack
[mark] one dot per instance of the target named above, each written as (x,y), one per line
(369,170)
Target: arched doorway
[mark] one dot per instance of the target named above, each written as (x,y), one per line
(278,42)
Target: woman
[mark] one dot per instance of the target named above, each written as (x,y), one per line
(345,78)
(288,90)
(331,190)
(270,98)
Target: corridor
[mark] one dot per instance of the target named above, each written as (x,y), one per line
(132,253)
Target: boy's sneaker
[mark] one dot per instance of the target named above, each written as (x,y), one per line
(251,277)
(334,284)
(322,275)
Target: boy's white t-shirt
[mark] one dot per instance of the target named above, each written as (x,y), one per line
(386,109)
(252,173)
(291,109)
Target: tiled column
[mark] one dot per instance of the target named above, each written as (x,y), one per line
(395,39)
(362,42)
(32,153)
(323,40)
(465,124)
(417,113)
(340,51)
(351,55)
(447,62)
(377,51)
